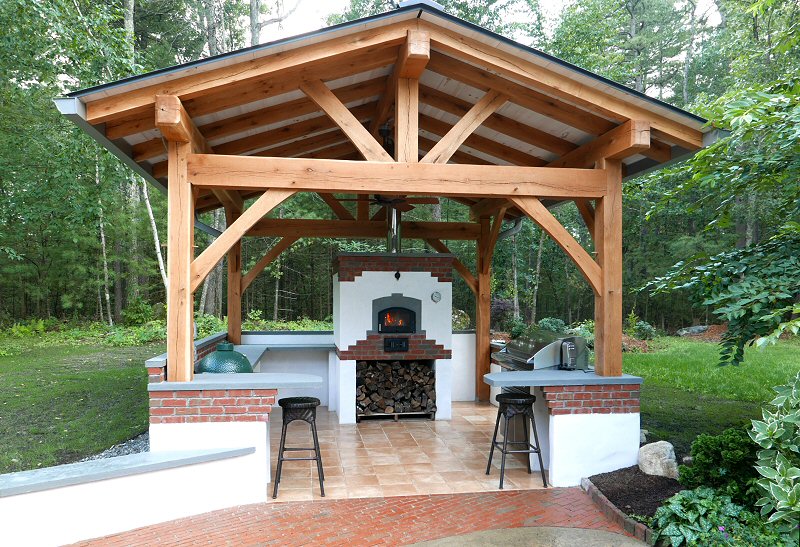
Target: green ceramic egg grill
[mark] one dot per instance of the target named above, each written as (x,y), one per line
(224,360)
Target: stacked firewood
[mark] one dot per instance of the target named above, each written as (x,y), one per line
(394,387)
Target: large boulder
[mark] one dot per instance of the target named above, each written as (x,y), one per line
(692,331)
(658,459)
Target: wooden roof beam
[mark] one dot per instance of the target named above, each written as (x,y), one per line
(632,137)
(557,85)
(487,207)
(447,146)
(411,62)
(366,177)
(176,125)
(266,260)
(347,122)
(336,206)
(587,213)
(371,229)
(466,275)
(482,144)
(494,232)
(459,157)
(275,67)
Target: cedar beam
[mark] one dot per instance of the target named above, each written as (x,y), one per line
(550,224)
(374,229)
(338,209)
(234,285)
(364,177)
(487,207)
(587,213)
(266,260)
(483,302)
(411,62)
(491,241)
(632,137)
(447,146)
(459,266)
(205,262)
(347,122)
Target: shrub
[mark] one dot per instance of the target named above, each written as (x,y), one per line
(644,330)
(690,514)
(584,329)
(518,327)
(553,324)
(34,327)
(752,532)
(778,435)
(137,313)
(725,462)
(208,324)
(461,320)
(502,312)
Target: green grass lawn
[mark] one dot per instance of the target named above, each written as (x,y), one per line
(64,402)
(686,392)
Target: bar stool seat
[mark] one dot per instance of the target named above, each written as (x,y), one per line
(511,405)
(305,409)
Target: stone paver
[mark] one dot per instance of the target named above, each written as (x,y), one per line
(374,521)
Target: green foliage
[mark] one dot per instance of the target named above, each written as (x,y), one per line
(778,434)
(518,328)
(553,324)
(34,327)
(137,313)
(644,331)
(256,322)
(461,319)
(584,329)
(690,514)
(725,462)
(208,324)
(750,531)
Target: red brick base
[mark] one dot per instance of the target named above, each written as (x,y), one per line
(219,405)
(597,399)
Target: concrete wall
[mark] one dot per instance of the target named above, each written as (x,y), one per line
(463,366)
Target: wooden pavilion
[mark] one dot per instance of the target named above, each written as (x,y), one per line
(503,129)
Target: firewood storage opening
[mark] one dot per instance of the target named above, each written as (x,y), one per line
(395,388)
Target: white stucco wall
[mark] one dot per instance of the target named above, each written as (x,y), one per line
(201,436)
(94,509)
(299,361)
(463,365)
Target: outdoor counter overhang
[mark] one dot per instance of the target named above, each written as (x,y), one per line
(503,129)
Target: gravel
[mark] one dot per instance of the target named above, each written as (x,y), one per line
(135,445)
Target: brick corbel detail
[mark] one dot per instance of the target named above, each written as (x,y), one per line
(218,405)
(371,349)
(592,399)
(351,266)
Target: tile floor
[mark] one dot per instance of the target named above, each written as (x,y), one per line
(382,458)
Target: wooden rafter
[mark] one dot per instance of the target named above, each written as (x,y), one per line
(347,122)
(393,178)
(406,126)
(491,240)
(632,137)
(176,125)
(550,224)
(447,146)
(482,144)
(497,122)
(270,227)
(487,207)
(205,262)
(587,213)
(459,157)
(411,62)
(310,58)
(266,260)
(588,97)
(336,206)
(459,266)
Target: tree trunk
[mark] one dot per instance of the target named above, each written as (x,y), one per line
(127,14)
(119,281)
(156,241)
(255,22)
(537,276)
(687,64)
(514,276)
(210,16)
(103,246)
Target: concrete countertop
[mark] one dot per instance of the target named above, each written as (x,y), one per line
(36,480)
(255,380)
(294,347)
(554,377)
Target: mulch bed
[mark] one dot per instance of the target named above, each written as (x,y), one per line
(713,334)
(634,492)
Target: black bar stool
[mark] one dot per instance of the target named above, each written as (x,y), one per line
(514,404)
(299,408)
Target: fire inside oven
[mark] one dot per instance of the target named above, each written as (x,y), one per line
(397,320)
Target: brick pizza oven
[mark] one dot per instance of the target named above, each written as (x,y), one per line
(393,310)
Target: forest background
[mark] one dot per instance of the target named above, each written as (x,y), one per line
(714,239)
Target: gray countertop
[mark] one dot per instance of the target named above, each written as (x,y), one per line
(554,377)
(255,380)
(36,480)
(297,347)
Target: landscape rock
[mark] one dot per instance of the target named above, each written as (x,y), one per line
(692,331)
(688,460)
(658,459)
(643,436)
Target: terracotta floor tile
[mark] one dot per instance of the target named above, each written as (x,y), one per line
(399,490)
(418,468)
(361,480)
(391,479)
(365,492)
(425,479)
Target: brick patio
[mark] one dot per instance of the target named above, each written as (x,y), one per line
(373,521)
